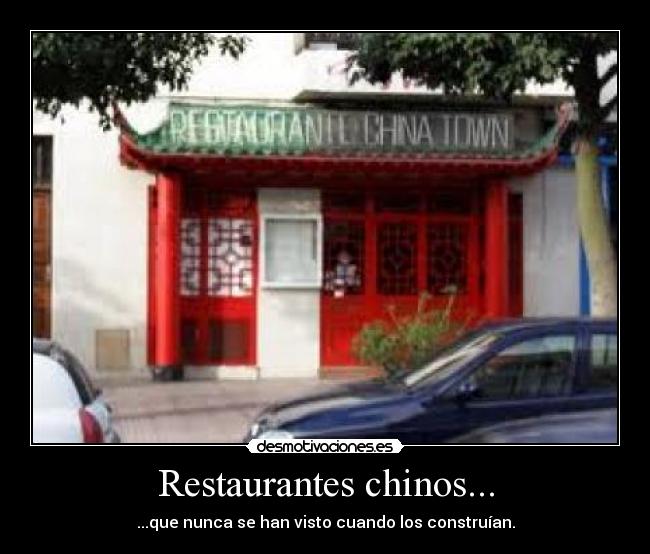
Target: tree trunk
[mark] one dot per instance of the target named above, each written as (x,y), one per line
(595,232)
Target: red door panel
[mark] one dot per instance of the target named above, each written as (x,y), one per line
(344,300)
(400,247)
(343,320)
(218,238)
(452,263)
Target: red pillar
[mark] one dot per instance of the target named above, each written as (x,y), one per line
(167,344)
(496,250)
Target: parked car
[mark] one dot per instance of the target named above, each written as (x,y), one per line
(67,406)
(500,372)
(592,427)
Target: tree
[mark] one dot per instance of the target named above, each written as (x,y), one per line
(106,68)
(498,65)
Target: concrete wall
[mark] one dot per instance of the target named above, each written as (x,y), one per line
(99,238)
(551,243)
(288,333)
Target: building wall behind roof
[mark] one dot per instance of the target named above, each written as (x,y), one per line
(551,243)
(288,323)
(266,69)
(99,238)
(270,68)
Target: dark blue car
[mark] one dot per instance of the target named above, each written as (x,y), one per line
(589,427)
(500,372)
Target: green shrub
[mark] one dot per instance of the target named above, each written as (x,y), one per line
(406,342)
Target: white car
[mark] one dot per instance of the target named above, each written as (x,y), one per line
(67,407)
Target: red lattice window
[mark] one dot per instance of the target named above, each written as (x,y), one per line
(397,258)
(447,247)
(230,257)
(190,256)
(344,257)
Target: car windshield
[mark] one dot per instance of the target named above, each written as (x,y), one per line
(451,358)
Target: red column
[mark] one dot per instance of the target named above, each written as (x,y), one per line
(167,344)
(496,250)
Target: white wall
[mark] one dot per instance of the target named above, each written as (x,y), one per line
(99,237)
(551,243)
(266,69)
(288,335)
(270,69)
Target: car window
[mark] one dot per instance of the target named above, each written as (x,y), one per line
(604,362)
(451,358)
(533,368)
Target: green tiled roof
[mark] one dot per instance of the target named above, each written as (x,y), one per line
(264,130)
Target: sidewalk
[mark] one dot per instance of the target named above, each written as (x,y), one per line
(197,411)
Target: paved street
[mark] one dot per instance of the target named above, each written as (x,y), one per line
(197,411)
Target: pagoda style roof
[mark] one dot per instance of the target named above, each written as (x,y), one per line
(311,140)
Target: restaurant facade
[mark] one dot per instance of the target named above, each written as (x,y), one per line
(254,238)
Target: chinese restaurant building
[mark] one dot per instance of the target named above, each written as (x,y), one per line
(276,230)
(250,225)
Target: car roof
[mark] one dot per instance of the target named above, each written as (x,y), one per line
(520,324)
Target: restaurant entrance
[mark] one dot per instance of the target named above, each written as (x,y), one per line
(383,250)
(217,268)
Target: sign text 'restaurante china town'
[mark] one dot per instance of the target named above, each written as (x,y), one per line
(313,130)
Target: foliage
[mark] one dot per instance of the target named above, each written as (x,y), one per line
(406,342)
(494,64)
(105,68)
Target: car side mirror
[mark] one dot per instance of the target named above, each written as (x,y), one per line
(466,392)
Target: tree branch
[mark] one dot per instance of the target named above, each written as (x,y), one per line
(612,71)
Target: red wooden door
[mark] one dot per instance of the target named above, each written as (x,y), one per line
(41,262)
(218,238)
(380,257)
(344,302)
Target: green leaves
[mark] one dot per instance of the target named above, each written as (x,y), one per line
(496,65)
(406,341)
(116,67)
